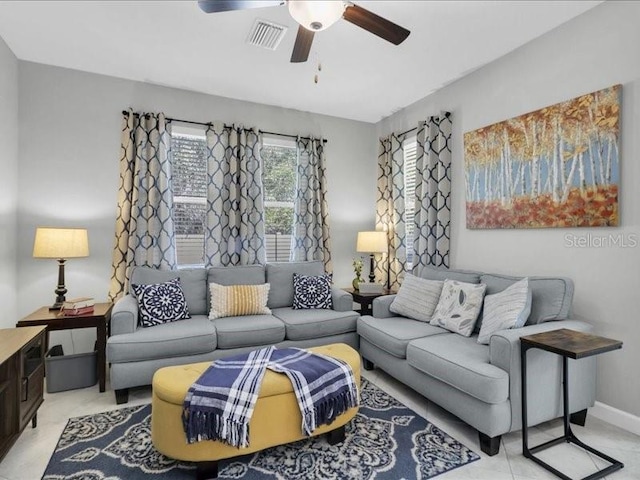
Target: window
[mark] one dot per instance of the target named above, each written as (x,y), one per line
(189,168)
(409,148)
(279,160)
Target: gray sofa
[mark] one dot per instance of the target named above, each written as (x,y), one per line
(136,352)
(481,383)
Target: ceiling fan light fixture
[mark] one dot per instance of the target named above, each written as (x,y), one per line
(316,15)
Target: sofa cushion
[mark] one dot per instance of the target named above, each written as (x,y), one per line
(160,303)
(459,306)
(431,273)
(417,298)
(238,300)
(551,297)
(393,334)
(462,363)
(312,291)
(280,276)
(509,308)
(192,280)
(249,331)
(315,323)
(193,336)
(237,275)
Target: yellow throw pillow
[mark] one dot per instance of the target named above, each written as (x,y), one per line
(236,300)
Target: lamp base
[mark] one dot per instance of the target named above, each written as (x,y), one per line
(372,273)
(60,290)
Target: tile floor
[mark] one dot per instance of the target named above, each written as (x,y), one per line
(30,455)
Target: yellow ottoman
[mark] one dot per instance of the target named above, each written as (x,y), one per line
(276,418)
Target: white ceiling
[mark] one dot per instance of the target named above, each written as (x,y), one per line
(364,78)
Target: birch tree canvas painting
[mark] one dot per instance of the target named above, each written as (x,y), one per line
(556,167)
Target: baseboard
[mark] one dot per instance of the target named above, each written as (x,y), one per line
(616,417)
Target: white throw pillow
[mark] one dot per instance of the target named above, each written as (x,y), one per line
(238,300)
(417,298)
(459,306)
(509,308)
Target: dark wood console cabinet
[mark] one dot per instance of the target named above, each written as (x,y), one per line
(21,381)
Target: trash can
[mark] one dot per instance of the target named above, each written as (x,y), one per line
(68,372)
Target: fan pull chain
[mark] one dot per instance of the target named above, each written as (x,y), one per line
(316,77)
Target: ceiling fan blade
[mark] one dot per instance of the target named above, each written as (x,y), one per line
(214,6)
(375,24)
(302,47)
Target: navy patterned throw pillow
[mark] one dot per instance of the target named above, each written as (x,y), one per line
(312,291)
(161,303)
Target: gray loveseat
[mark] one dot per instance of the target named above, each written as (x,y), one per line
(481,383)
(136,352)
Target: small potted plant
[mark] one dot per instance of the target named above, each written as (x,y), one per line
(357,268)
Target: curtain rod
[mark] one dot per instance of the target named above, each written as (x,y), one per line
(169,119)
(446,114)
(408,131)
(324,140)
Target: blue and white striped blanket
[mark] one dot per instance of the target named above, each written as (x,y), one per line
(219,405)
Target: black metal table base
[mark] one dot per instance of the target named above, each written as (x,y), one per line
(615,464)
(568,436)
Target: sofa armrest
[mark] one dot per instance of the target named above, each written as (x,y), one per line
(342,300)
(380,306)
(124,316)
(544,374)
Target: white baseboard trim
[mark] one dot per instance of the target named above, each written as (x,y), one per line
(616,417)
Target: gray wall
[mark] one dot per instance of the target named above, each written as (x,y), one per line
(8,184)
(69,149)
(593,51)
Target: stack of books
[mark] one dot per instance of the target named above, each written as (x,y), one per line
(370,288)
(78,306)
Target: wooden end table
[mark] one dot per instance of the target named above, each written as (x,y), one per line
(21,381)
(568,344)
(98,319)
(366,299)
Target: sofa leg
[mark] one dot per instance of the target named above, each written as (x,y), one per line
(367,364)
(122,396)
(336,436)
(579,418)
(206,470)
(489,445)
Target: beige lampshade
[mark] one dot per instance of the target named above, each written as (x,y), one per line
(372,242)
(61,243)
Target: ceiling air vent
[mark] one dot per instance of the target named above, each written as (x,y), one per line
(266,34)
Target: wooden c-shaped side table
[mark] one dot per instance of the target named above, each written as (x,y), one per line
(568,344)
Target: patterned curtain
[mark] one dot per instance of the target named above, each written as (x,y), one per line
(144,222)
(311,239)
(433,193)
(390,211)
(234,232)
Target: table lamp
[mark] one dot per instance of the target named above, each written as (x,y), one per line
(61,244)
(371,243)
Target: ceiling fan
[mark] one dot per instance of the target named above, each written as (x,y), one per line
(314,16)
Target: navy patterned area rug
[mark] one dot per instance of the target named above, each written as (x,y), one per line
(386,440)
